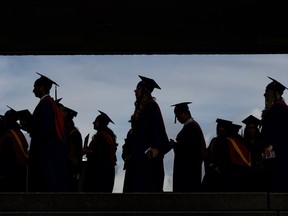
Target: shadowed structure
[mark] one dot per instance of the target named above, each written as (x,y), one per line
(142,27)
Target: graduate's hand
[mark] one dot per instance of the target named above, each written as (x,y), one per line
(154,152)
(268,152)
(86,151)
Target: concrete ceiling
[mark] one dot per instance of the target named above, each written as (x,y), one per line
(142,27)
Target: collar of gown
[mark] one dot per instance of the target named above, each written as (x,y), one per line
(189,121)
(44,96)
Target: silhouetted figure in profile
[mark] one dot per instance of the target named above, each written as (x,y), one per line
(13,155)
(216,160)
(73,140)
(189,150)
(47,168)
(101,157)
(251,139)
(274,138)
(239,167)
(146,143)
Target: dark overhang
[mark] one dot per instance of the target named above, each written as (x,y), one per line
(142,27)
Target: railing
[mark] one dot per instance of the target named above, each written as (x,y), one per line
(145,203)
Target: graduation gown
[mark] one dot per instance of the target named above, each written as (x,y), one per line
(239,173)
(216,163)
(275,132)
(74,157)
(145,174)
(100,169)
(13,161)
(188,157)
(47,165)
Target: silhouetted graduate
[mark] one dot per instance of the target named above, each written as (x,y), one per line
(101,157)
(274,139)
(73,141)
(217,160)
(47,170)
(239,166)
(251,138)
(25,119)
(147,142)
(13,155)
(189,150)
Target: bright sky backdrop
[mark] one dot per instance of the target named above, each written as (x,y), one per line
(219,86)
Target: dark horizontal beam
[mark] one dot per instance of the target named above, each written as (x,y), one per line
(145,27)
(160,202)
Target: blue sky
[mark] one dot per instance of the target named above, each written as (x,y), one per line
(219,86)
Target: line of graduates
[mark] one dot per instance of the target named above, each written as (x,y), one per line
(53,160)
(254,161)
(258,159)
(228,158)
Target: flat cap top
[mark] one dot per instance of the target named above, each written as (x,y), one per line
(183,106)
(24,114)
(251,120)
(70,111)
(106,117)
(45,80)
(223,122)
(148,83)
(276,85)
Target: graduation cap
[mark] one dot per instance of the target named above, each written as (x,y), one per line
(70,112)
(19,115)
(148,83)
(11,113)
(275,85)
(235,127)
(10,108)
(47,82)
(105,117)
(223,123)
(251,120)
(180,107)
(24,114)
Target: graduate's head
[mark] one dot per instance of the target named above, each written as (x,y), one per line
(273,91)
(24,117)
(275,86)
(67,113)
(182,112)
(11,115)
(102,121)
(43,85)
(144,88)
(251,125)
(70,113)
(147,83)
(223,127)
(10,119)
(234,129)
